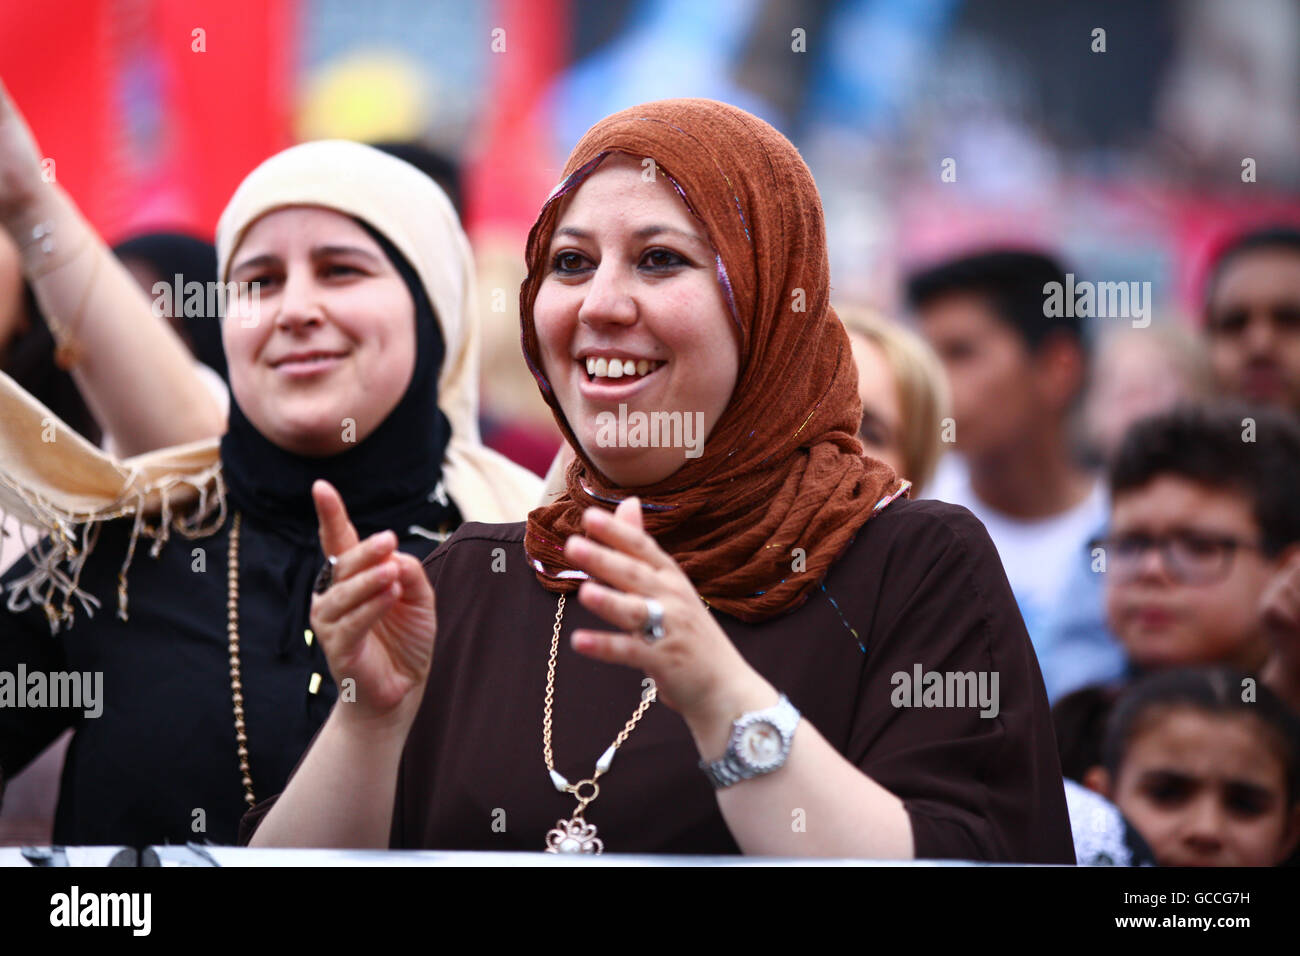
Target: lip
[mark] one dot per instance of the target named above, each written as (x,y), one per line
(1153,618)
(308,364)
(612,389)
(1261,382)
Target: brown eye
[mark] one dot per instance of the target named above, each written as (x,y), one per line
(1169,790)
(1247,801)
(567,262)
(662,260)
(1287,317)
(1232,322)
(264,281)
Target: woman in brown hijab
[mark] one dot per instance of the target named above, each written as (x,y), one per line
(812,665)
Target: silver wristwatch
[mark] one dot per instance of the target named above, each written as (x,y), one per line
(760,742)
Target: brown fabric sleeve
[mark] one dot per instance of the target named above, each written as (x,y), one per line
(975,788)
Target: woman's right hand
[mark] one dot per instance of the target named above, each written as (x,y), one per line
(20,162)
(376,621)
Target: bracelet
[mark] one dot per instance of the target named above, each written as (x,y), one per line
(42,234)
(68,352)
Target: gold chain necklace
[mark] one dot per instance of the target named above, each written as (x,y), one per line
(232,631)
(576,835)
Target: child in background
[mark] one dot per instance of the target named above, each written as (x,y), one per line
(1204,763)
(1204,516)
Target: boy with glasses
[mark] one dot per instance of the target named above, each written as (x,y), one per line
(1205,525)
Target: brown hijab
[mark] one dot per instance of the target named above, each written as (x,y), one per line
(782,468)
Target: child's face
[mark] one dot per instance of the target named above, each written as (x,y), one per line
(1202,607)
(1206,791)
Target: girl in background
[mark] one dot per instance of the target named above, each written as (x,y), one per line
(1204,763)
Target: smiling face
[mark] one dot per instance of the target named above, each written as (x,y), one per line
(330,338)
(630,313)
(1206,790)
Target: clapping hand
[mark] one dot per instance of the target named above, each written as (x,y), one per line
(697,670)
(376,620)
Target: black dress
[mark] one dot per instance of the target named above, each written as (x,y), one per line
(159,764)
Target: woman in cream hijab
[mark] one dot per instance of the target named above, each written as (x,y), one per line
(356,362)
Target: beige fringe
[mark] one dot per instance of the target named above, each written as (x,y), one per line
(58,559)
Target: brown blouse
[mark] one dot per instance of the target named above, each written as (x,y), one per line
(920,585)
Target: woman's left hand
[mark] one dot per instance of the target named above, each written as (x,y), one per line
(697,670)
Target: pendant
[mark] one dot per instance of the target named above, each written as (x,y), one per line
(574,836)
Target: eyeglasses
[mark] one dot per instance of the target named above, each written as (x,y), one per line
(1190,557)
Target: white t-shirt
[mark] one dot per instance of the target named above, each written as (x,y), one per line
(1040,556)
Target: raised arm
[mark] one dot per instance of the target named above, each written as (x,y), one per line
(376,624)
(135,374)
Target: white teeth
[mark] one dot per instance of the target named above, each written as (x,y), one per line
(619,368)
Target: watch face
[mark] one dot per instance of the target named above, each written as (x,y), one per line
(760,745)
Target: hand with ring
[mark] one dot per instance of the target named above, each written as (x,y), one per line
(661,625)
(373,612)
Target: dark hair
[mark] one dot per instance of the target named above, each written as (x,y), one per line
(29,359)
(1266,237)
(441,169)
(1205,445)
(1216,691)
(1012,283)
(1079,719)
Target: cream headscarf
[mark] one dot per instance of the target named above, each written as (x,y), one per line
(62,486)
(409,209)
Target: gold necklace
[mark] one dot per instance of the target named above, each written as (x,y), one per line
(576,835)
(232,631)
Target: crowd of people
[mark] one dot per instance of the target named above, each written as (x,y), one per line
(325,613)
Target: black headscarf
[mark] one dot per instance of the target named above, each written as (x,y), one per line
(389,480)
(171,254)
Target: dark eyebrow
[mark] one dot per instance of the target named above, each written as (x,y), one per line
(319,252)
(645,232)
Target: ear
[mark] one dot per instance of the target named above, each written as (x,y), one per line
(1290,836)
(1060,364)
(1097,779)
(1288,556)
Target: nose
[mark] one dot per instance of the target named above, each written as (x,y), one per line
(300,305)
(1260,337)
(1203,827)
(1150,564)
(608,301)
